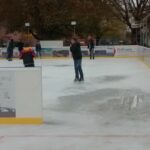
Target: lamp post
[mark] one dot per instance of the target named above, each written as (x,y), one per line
(27,24)
(74,23)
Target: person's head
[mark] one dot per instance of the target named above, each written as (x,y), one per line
(27,44)
(74,40)
(11,40)
(90,37)
(21,40)
(37,41)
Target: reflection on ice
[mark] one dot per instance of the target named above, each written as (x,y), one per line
(108,103)
(132,101)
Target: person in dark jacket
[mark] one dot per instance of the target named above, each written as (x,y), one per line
(75,49)
(20,46)
(38,49)
(28,57)
(91,46)
(10,49)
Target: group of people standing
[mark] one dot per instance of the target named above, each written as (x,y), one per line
(20,45)
(76,51)
(27,54)
(25,51)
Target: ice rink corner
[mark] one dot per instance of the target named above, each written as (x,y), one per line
(109,111)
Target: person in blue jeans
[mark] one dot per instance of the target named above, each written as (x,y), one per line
(75,49)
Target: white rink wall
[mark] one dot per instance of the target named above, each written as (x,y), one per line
(56,49)
(134,51)
(21,94)
(52,44)
(146,55)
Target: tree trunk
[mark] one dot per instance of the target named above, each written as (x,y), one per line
(135,36)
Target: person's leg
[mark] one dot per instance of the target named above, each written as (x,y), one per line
(29,65)
(40,53)
(90,54)
(93,53)
(76,70)
(10,56)
(80,70)
(37,54)
(26,65)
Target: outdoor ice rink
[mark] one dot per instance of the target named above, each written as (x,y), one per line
(109,111)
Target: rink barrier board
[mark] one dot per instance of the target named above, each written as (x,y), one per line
(59,58)
(100,51)
(141,59)
(21,121)
(26,104)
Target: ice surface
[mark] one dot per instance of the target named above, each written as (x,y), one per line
(110,111)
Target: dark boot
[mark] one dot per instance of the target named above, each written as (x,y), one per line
(76,80)
(81,79)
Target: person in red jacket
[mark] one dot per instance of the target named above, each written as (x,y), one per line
(28,55)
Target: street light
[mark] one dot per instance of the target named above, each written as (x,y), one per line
(27,24)
(74,23)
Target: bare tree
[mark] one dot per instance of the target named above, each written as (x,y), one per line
(131,11)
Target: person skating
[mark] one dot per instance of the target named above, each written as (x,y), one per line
(28,55)
(10,49)
(38,49)
(75,49)
(91,46)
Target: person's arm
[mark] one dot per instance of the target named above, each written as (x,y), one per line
(21,55)
(79,46)
(71,49)
(88,45)
(33,53)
